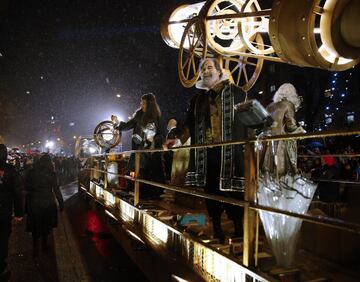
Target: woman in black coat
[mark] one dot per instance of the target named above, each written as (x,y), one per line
(148,133)
(41,207)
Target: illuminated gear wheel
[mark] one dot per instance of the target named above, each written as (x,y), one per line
(222,34)
(244,71)
(106,136)
(192,50)
(252,27)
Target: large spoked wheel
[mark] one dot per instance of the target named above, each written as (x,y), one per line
(192,50)
(252,27)
(222,33)
(105,135)
(244,71)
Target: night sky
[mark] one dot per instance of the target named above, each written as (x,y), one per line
(69,59)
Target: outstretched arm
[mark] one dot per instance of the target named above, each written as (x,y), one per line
(122,125)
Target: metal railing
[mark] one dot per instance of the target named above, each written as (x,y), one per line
(251,177)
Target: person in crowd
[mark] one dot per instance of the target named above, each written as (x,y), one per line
(148,133)
(280,157)
(220,170)
(11,202)
(41,208)
(172,130)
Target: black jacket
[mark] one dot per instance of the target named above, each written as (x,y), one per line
(135,124)
(42,188)
(11,199)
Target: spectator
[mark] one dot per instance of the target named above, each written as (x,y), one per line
(10,201)
(42,216)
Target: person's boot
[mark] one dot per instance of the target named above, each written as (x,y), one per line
(218,233)
(238,226)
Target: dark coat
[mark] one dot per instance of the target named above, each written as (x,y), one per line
(10,192)
(135,124)
(151,164)
(198,122)
(41,205)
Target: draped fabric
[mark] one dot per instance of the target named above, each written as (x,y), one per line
(290,193)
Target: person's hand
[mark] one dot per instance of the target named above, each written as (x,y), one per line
(18,218)
(173,143)
(114,119)
(170,143)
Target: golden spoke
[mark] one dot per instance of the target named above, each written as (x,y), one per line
(186,61)
(251,64)
(245,74)
(239,77)
(193,65)
(189,39)
(237,66)
(188,70)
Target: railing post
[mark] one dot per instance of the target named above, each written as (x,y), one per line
(249,214)
(92,172)
(137,184)
(105,173)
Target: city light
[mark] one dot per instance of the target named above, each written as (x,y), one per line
(49,144)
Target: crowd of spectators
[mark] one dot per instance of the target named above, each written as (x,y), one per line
(66,167)
(337,163)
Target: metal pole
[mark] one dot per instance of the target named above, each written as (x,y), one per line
(105,173)
(249,214)
(137,183)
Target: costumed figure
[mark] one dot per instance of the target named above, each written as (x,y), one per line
(148,133)
(280,184)
(210,119)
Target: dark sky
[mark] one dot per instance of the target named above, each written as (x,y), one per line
(69,59)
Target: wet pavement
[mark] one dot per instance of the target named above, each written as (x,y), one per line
(103,256)
(81,249)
